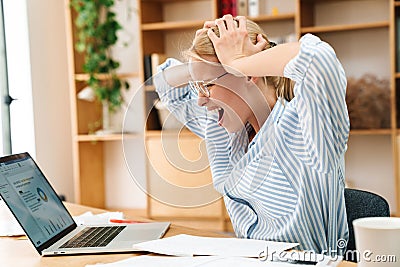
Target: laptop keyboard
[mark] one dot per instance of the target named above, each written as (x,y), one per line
(93,237)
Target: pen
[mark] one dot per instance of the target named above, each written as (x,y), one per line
(124,221)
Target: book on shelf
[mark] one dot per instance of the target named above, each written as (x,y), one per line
(397,43)
(147,69)
(228,7)
(253,8)
(150,64)
(242,8)
(233,6)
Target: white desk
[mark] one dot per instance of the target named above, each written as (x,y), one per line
(15,252)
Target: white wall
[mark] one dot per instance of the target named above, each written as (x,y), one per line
(369,166)
(50,92)
(19,76)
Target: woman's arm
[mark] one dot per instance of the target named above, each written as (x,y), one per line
(177,76)
(232,49)
(270,62)
(171,85)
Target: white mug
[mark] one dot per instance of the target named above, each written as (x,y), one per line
(377,241)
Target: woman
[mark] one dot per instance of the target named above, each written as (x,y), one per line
(278,159)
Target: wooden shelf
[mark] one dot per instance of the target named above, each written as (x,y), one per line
(179,25)
(348,27)
(268,18)
(322,1)
(149,88)
(167,1)
(108,137)
(84,77)
(371,132)
(157,133)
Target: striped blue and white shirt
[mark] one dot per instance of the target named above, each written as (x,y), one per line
(288,183)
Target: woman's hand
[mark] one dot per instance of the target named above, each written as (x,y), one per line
(234,42)
(206,26)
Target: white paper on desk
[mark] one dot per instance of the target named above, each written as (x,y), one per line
(9,226)
(203,261)
(88,218)
(188,245)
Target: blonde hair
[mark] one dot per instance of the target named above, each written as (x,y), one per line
(202,46)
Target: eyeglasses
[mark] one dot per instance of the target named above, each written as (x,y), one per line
(201,87)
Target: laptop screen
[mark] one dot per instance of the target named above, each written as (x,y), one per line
(31,199)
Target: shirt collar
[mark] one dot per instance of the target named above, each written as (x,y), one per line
(278,109)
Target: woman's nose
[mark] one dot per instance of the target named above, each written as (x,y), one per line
(202,100)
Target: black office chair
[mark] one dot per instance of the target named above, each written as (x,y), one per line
(361,204)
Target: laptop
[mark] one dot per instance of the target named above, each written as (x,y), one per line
(49,225)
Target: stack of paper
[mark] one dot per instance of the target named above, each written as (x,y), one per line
(187,245)
(205,261)
(88,218)
(215,252)
(9,226)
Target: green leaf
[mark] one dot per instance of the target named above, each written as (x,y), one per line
(80,46)
(126,85)
(96,34)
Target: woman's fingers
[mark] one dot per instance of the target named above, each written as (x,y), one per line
(200,31)
(241,23)
(213,37)
(230,23)
(221,26)
(233,41)
(208,24)
(261,43)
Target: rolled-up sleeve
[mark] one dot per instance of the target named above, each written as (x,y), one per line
(319,99)
(180,101)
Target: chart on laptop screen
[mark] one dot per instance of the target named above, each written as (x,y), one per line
(32,200)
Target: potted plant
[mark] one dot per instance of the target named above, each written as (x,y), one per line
(97,29)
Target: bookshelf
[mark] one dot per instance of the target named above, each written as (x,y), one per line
(361,31)
(92,160)
(355,29)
